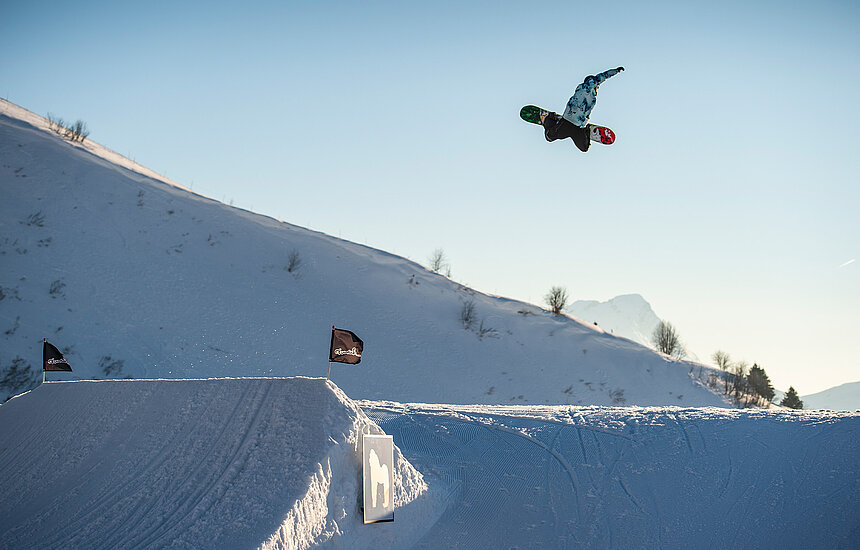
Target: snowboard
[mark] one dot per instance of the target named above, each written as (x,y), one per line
(600,134)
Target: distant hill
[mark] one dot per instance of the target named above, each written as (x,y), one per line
(840,398)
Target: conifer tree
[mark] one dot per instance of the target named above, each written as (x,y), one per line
(791,399)
(760,383)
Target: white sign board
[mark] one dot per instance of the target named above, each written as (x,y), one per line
(378,470)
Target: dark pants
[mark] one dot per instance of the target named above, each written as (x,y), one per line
(557,127)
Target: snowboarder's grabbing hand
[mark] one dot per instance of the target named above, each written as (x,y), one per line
(574,122)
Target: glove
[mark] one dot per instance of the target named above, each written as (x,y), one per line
(619,69)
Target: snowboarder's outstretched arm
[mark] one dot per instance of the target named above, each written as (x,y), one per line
(601,78)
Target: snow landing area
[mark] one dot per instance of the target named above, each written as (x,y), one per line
(633,477)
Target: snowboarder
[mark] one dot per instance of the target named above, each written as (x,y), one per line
(574,122)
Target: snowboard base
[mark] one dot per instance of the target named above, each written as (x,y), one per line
(536,115)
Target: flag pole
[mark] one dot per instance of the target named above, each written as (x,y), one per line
(328,376)
(44,341)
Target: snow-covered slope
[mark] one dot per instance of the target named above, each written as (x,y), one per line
(845,397)
(244,463)
(629,316)
(134,276)
(231,463)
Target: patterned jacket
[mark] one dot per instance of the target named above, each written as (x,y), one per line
(582,101)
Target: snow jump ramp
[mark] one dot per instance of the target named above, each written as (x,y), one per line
(226,463)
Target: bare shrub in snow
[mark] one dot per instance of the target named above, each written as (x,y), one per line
(79,131)
(10,293)
(294,261)
(739,381)
(37,219)
(556,299)
(617,396)
(110,366)
(56,124)
(17,377)
(665,338)
(468,314)
(15,327)
(469,318)
(723,361)
(75,131)
(57,289)
(486,332)
(439,263)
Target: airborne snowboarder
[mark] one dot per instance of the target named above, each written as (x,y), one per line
(574,123)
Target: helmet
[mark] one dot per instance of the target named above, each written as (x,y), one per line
(590,80)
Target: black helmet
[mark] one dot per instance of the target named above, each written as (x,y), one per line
(590,80)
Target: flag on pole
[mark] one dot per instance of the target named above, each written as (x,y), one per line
(346,347)
(52,359)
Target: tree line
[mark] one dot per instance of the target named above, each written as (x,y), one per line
(750,386)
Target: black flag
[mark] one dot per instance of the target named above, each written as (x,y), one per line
(52,359)
(346,347)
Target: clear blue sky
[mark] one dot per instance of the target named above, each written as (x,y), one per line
(729,201)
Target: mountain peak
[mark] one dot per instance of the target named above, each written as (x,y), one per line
(628,315)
